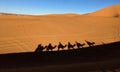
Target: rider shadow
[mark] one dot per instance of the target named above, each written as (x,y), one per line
(90,44)
(40,48)
(50,47)
(71,46)
(61,46)
(79,45)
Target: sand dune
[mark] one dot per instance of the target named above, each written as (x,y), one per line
(66,15)
(24,33)
(111,11)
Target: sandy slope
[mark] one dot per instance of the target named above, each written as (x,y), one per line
(24,33)
(111,11)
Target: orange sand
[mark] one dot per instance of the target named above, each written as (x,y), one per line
(23,33)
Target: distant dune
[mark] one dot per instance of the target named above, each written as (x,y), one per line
(23,33)
(67,14)
(111,11)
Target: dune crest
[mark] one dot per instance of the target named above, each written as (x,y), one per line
(111,11)
(66,15)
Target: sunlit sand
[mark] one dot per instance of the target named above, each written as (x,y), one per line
(23,33)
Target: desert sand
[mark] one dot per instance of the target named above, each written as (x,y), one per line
(23,33)
(111,11)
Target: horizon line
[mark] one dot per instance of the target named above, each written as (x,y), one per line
(27,14)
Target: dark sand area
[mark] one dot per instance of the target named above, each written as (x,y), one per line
(99,58)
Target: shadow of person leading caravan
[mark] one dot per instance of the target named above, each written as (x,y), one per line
(40,48)
(79,45)
(91,44)
(61,46)
(70,46)
(50,47)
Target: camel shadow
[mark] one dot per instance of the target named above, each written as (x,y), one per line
(79,45)
(90,44)
(50,47)
(61,46)
(70,46)
(40,48)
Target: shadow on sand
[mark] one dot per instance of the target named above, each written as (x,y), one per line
(98,53)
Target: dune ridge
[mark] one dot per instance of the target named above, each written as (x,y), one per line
(111,11)
(66,15)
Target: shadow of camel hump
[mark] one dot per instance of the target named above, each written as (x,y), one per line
(90,43)
(40,48)
(61,46)
(79,45)
(70,46)
(50,47)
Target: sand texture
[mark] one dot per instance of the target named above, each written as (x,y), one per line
(23,33)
